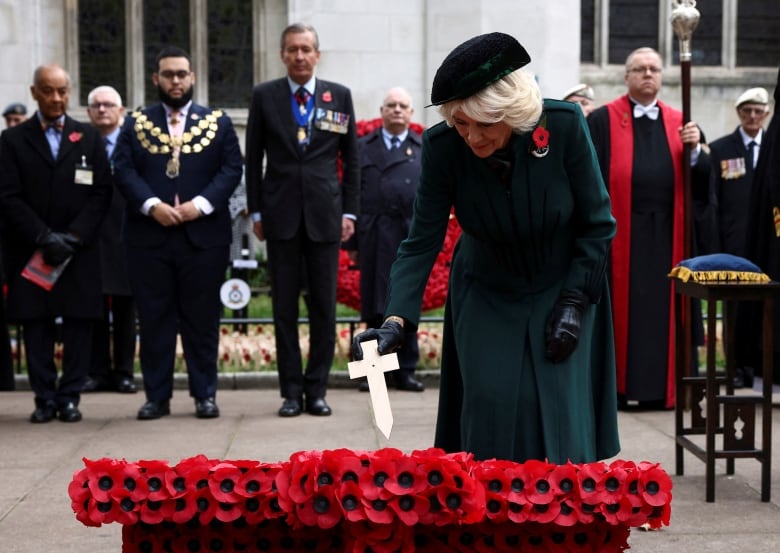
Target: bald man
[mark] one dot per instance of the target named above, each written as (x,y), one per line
(54,194)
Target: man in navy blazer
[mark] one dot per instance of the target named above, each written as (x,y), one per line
(302,126)
(55,190)
(177,164)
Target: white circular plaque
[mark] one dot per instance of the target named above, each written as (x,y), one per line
(235,293)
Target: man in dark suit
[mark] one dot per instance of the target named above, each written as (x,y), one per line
(734,159)
(177,165)
(54,192)
(302,126)
(112,367)
(389,174)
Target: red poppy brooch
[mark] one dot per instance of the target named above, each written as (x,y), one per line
(540,138)
(327,96)
(75,136)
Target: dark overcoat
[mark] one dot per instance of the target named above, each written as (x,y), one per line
(544,231)
(388,181)
(38,193)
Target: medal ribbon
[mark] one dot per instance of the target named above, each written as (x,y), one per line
(303,107)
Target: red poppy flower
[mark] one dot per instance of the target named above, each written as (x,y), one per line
(327,96)
(222,482)
(588,476)
(156,473)
(322,510)
(104,476)
(655,485)
(349,496)
(541,137)
(75,136)
(544,513)
(540,490)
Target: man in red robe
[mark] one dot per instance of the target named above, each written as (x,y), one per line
(639,141)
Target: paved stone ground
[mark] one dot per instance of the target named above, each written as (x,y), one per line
(38,461)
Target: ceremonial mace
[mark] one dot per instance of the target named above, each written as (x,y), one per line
(684,18)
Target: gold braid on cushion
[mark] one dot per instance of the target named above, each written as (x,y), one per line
(685,274)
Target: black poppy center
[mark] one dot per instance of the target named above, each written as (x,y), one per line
(379,479)
(324,479)
(612,484)
(227,485)
(495,485)
(566,485)
(652,488)
(406,503)
(349,502)
(321,505)
(154,484)
(542,486)
(253,486)
(179,484)
(518,485)
(105,483)
(435,478)
(589,485)
(405,480)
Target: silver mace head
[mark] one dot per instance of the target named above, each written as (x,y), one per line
(684,18)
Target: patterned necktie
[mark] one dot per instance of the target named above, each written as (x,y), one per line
(302,95)
(395,142)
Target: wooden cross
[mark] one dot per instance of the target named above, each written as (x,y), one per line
(373,367)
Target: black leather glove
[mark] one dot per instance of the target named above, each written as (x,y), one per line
(57,247)
(563,326)
(389,338)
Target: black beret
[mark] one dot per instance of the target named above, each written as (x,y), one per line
(475,64)
(16,108)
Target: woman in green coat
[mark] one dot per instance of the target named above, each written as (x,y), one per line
(528,368)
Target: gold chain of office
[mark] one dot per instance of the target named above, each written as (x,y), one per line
(155,141)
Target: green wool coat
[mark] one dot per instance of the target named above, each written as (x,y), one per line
(545,230)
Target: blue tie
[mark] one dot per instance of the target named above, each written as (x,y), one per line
(395,142)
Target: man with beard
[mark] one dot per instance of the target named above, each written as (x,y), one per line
(177,165)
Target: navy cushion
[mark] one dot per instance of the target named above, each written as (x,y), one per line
(718,267)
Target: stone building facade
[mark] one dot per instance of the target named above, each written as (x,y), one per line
(372,45)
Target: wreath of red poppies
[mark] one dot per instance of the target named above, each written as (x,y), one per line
(435,294)
(379,501)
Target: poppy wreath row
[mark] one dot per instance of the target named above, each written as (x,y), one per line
(436,290)
(380,496)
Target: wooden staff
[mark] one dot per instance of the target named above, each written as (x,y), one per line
(684,19)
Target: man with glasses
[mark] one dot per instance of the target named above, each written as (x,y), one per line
(734,158)
(113,341)
(639,142)
(177,164)
(389,174)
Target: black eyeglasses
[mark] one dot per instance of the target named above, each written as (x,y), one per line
(393,105)
(752,111)
(181,74)
(98,105)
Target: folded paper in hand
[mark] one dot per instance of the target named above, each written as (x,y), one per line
(38,272)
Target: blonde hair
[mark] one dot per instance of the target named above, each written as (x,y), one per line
(514,99)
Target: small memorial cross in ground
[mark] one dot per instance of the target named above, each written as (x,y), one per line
(373,367)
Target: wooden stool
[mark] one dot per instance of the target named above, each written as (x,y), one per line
(739,411)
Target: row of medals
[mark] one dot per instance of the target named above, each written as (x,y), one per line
(206,127)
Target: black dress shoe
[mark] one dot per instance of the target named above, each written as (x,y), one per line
(317,407)
(291,407)
(206,408)
(408,383)
(154,410)
(70,413)
(126,386)
(93,385)
(44,413)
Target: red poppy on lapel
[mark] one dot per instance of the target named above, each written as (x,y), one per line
(75,136)
(327,96)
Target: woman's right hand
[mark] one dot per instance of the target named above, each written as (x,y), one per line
(389,338)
